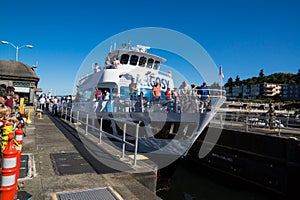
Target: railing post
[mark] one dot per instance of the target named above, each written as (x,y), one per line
(66,114)
(221,121)
(136,143)
(100,130)
(71,113)
(124,145)
(87,123)
(62,111)
(142,102)
(77,119)
(247,121)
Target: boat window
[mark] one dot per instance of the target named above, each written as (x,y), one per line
(124,59)
(124,92)
(134,59)
(142,61)
(150,63)
(156,64)
(86,96)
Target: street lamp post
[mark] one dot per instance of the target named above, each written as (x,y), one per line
(17,47)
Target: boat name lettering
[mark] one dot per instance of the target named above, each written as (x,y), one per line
(163,82)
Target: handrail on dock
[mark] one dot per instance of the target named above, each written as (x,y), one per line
(69,116)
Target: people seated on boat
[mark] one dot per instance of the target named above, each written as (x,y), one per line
(156,92)
(96,68)
(204,97)
(116,63)
(133,89)
(108,64)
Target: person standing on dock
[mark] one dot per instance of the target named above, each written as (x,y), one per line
(271,113)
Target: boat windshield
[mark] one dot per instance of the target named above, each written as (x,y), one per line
(134,59)
(142,62)
(156,64)
(124,59)
(150,63)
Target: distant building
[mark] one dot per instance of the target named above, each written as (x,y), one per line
(270,89)
(21,77)
(237,91)
(291,92)
(246,91)
(254,91)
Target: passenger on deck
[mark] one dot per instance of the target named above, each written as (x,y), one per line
(184,92)
(184,88)
(175,97)
(204,96)
(108,63)
(98,99)
(96,68)
(156,92)
(98,94)
(133,89)
(194,100)
(168,94)
(105,102)
(116,63)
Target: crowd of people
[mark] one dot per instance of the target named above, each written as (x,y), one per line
(183,99)
(9,106)
(53,103)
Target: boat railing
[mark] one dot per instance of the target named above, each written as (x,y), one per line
(181,101)
(88,126)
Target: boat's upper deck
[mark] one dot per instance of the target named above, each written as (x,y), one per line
(136,56)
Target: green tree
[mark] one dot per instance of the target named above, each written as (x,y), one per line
(229,82)
(298,77)
(237,80)
(261,75)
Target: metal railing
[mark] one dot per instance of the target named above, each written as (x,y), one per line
(252,120)
(74,116)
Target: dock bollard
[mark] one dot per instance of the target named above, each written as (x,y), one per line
(41,114)
(28,116)
(9,168)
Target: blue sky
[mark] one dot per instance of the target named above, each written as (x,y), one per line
(243,36)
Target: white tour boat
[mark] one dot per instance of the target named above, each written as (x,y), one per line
(167,126)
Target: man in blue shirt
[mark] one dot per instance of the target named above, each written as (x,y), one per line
(204,96)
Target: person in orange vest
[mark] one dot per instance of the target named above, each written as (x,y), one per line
(156,91)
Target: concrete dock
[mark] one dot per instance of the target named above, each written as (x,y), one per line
(58,165)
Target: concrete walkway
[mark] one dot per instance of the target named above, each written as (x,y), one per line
(44,141)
